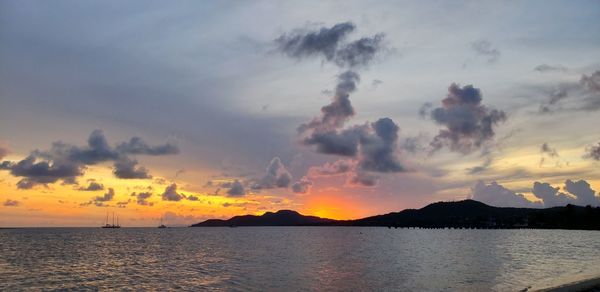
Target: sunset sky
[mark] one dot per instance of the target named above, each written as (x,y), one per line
(191,110)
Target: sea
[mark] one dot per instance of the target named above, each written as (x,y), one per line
(294,259)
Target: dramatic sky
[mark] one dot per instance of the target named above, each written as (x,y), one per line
(207,109)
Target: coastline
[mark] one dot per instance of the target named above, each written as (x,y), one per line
(590,284)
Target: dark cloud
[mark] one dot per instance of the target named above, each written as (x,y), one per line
(320,43)
(92,186)
(550,196)
(554,97)
(583,192)
(236,189)
(593,152)
(142,198)
(379,151)
(360,52)
(36,172)
(549,68)
(138,146)
(425,109)
(192,198)
(330,44)
(592,82)
(276,176)
(497,195)
(484,48)
(335,114)
(468,123)
(127,168)
(11,203)
(363,178)
(67,162)
(100,201)
(546,149)
(336,168)
(302,186)
(171,194)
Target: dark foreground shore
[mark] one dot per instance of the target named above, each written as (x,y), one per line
(588,285)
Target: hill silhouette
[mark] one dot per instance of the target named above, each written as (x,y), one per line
(460,214)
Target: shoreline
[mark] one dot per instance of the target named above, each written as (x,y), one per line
(590,284)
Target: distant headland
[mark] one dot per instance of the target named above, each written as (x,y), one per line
(461,214)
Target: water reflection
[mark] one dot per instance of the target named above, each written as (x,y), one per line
(300,258)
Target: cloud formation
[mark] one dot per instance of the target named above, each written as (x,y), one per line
(11,203)
(593,152)
(468,123)
(92,186)
(497,195)
(276,176)
(546,149)
(484,48)
(171,194)
(236,189)
(330,44)
(302,186)
(67,162)
(142,198)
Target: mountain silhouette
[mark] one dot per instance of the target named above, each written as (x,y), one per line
(279,218)
(460,214)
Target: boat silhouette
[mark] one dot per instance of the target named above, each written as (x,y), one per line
(113,225)
(161,224)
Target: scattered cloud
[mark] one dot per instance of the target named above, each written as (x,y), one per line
(67,162)
(592,152)
(142,198)
(171,194)
(92,186)
(237,189)
(302,186)
(11,203)
(468,123)
(485,48)
(276,176)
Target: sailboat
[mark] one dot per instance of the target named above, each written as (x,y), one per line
(161,224)
(113,225)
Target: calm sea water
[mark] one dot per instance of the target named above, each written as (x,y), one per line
(294,258)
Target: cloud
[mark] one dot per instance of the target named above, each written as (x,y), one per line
(142,198)
(126,168)
(497,195)
(302,186)
(192,198)
(93,186)
(484,48)
(329,169)
(378,151)
(11,203)
(99,201)
(551,197)
(137,146)
(170,193)
(324,42)
(237,189)
(592,82)
(468,123)
(554,97)
(330,44)
(276,176)
(583,192)
(549,68)
(67,162)
(546,149)
(36,172)
(593,152)
(363,178)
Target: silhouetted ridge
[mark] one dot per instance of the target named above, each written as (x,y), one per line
(460,214)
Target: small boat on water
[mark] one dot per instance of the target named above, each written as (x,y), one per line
(113,225)
(161,224)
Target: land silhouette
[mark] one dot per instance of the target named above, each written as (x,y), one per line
(460,214)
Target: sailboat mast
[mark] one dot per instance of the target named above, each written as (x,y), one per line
(113,219)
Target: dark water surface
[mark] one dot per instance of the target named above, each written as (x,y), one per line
(294,258)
